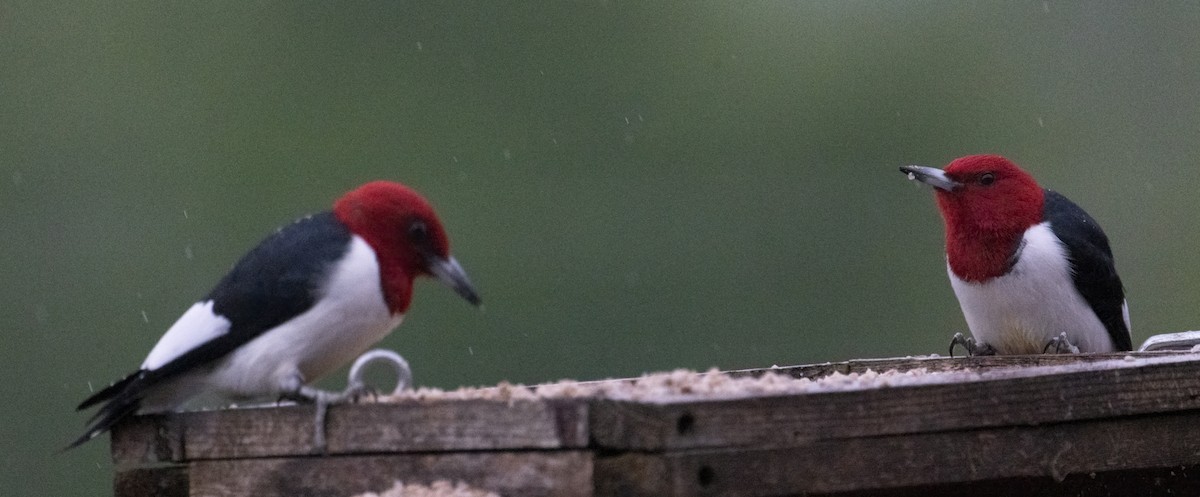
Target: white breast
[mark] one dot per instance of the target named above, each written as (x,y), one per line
(350,318)
(1020,312)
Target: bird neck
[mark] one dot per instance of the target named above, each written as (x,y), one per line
(984,232)
(396,281)
(978,257)
(397,268)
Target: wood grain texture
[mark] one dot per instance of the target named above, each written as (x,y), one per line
(147,440)
(363,428)
(1046,455)
(1034,425)
(163,481)
(530,473)
(1020,397)
(946,364)
(1164,482)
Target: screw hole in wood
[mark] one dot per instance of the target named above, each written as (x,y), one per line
(706,475)
(685,424)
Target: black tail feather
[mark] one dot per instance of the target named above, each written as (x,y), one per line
(108,416)
(110,391)
(122,399)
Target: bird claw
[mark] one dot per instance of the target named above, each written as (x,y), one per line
(355,390)
(972,347)
(1061,344)
(322,399)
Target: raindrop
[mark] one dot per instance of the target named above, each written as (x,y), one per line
(1041,123)
(187,252)
(90,389)
(420,46)
(507,154)
(185,215)
(145,317)
(470,350)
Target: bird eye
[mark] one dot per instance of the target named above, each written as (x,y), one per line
(987,179)
(418,232)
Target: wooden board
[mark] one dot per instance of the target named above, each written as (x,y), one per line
(947,364)
(161,481)
(1048,453)
(532,473)
(1165,482)
(1026,396)
(1101,424)
(462,425)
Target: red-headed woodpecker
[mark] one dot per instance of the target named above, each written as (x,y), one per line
(1031,269)
(307,300)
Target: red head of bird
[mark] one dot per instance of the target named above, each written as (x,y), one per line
(408,239)
(987,203)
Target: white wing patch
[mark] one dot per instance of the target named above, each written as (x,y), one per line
(1125,314)
(195,327)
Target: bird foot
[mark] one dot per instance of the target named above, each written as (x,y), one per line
(972,347)
(1061,345)
(322,399)
(355,390)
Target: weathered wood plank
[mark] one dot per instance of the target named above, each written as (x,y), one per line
(459,425)
(1062,419)
(163,481)
(945,364)
(528,473)
(407,427)
(1048,454)
(1165,482)
(1025,396)
(147,441)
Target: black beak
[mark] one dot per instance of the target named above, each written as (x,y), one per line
(449,272)
(930,176)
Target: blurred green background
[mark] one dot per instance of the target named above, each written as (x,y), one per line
(634,186)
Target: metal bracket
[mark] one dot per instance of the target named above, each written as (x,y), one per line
(1186,340)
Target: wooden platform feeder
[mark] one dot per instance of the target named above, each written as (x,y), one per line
(1109,424)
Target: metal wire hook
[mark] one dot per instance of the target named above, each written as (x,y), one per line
(404,374)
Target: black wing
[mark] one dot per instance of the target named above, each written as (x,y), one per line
(274,282)
(1094,273)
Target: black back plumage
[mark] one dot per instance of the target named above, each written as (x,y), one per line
(1093,271)
(276,281)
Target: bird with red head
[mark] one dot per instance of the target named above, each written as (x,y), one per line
(1032,271)
(307,300)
